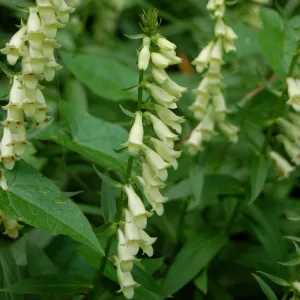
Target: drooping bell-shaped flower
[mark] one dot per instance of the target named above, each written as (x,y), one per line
(146,243)
(169,118)
(164,44)
(136,135)
(127,283)
(14,48)
(161,96)
(173,88)
(159,60)
(202,60)
(159,74)
(7,152)
(35,34)
(132,235)
(124,253)
(171,56)
(150,179)
(156,163)
(167,154)
(230,131)
(136,207)
(290,129)
(12,227)
(291,148)
(194,142)
(283,167)
(162,131)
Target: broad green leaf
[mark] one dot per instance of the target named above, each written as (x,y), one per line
(145,279)
(265,288)
(92,138)
(39,264)
(105,76)
(96,138)
(192,258)
(36,200)
(196,182)
(9,273)
(258,175)
(58,284)
(201,282)
(76,95)
(108,202)
(271,39)
(275,279)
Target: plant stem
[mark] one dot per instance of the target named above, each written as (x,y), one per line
(281,101)
(234,215)
(119,211)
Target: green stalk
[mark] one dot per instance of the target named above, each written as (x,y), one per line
(121,204)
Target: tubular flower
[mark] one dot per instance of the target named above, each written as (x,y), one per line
(283,167)
(155,153)
(210,104)
(290,140)
(34,42)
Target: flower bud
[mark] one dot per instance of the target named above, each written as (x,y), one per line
(283,167)
(144,55)
(206,126)
(173,88)
(159,74)
(220,28)
(124,254)
(219,106)
(164,44)
(159,60)
(160,95)
(170,55)
(290,129)
(136,135)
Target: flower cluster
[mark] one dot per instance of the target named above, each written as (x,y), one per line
(34,43)
(290,132)
(154,154)
(210,106)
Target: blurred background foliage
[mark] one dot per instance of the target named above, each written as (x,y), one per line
(210,239)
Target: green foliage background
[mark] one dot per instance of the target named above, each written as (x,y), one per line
(227,214)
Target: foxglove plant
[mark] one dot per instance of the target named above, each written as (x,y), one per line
(153,154)
(210,105)
(34,43)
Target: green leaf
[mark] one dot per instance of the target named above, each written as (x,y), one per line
(201,282)
(39,264)
(96,139)
(108,202)
(265,288)
(9,272)
(105,76)
(192,258)
(291,263)
(258,175)
(196,182)
(36,200)
(75,94)
(108,180)
(105,231)
(271,39)
(146,280)
(275,279)
(58,284)
(293,238)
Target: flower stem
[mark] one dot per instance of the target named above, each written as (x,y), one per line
(121,203)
